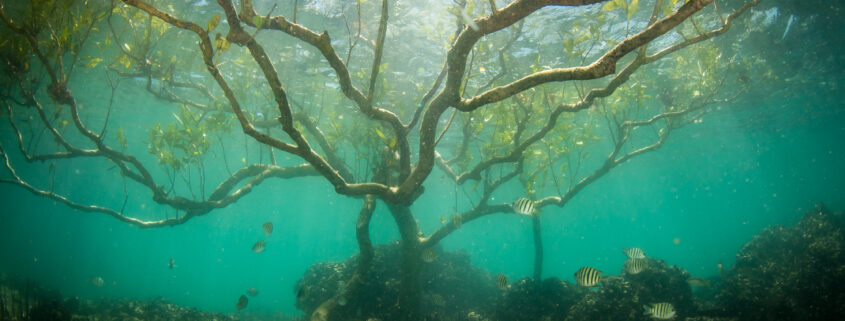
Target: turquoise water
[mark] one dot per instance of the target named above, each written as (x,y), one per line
(761,160)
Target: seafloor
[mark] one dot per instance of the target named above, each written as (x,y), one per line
(784,273)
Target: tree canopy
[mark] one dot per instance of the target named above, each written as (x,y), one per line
(372,96)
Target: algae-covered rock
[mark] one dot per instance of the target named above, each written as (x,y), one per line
(155,309)
(452,287)
(622,298)
(791,273)
(524,300)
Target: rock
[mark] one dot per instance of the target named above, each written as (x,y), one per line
(623,298)
(452,287)
(790,273)
(552,300)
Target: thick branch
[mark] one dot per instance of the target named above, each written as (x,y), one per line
(382,33)
(456,63)
(618,80)
(328,309)
(239,36)
(613,160)
(322,42)
(605,65)
(538,249)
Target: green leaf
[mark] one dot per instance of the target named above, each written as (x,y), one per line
(258,21)
(380,134)
(609,6)
(93,62)
(632,8)
(125,61)
(213,22)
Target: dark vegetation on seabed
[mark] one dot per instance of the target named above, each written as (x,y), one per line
(784,273)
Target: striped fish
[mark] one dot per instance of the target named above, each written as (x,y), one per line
(634,266)
(524,206)
(587,276)
(428,255)
(268,228)
(502,282)
(438,300)
(660,311)
(259,246)
(634,252)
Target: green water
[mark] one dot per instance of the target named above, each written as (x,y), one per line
(761,160)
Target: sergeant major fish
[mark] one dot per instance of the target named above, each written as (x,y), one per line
(268,228)
(634,252)
(502,281)
(259,246)
(634,266)
(587,276)
(660,311)
(524,206)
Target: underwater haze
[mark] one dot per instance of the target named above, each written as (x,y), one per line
(144,155)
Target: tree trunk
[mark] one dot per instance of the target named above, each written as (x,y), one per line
(538,250)
(410,292)
(330,308)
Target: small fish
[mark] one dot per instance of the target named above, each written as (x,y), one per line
(242,303)
(788,26)
(268,228)
(428,255)
(660,311)
(438,300)
(97,281)
(587,276)
(634,266)
(172,263)
(444,219)
(722,272)
(634,252)
(524,206)
(259,246)
(253,292)
(698,282)
(502,282)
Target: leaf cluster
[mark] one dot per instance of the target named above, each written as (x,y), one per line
(186,140)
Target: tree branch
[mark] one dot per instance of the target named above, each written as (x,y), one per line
(456,63)
(328,309)
(605,65)
(219,198)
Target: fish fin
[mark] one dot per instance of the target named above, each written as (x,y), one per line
(605,278)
